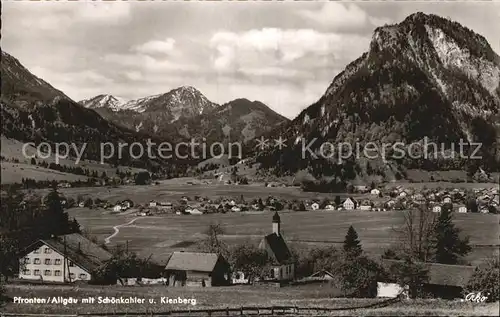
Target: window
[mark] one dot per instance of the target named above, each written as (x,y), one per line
(27,260)
(27,272)
(47,250)
(48,262)
(37,261)
(36,272)
(71,275)
(47,272)
(57,262)
(57,273)
(83,276)
(37,251)
(71,264)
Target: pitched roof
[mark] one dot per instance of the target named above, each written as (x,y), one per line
(442,274)
(277,247)
(192,261)
(78,249)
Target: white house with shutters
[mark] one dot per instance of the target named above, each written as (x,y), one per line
(349,204)
(63,259)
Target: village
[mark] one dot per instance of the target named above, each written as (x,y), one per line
(477,200)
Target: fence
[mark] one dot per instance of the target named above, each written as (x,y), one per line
(238,311)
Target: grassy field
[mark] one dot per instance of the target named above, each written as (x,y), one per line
(235,296)
(174,189)
(14,173)
(12,149)
(160,235)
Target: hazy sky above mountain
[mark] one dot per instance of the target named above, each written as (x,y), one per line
(283,54)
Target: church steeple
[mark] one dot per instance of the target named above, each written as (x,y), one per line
(276,223)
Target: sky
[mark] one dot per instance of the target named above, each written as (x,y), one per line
(284,54)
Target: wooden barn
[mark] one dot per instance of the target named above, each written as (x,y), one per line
(197,269)
(444,280)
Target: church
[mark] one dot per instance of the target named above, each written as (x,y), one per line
(282,267)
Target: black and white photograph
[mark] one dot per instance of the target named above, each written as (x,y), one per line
(250,158)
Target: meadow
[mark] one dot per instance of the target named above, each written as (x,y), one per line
(222,297)
(158,236)
(14,172)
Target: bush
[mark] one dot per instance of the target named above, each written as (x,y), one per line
(485,280)
(358,278)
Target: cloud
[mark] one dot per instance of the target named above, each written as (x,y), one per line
(109,12)
(280,47)
(337,16)
(147,63)
(156,47)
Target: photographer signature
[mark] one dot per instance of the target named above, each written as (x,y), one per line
(476,297)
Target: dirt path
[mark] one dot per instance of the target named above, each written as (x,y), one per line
(117,230)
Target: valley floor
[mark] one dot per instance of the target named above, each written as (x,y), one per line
(158,236)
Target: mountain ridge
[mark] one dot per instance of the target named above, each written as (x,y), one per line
(425,76)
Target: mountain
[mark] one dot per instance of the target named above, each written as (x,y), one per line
(185,113)
(22,88)
(182,102)
(424,77)
(104,101)
(238,120)
(34,111)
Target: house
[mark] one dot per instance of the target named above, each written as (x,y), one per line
(436,208)
(81,204)
(127,203)
(444,280)
(322,275)
(496,199)
(315,206)
(62,259)
(282,264)
(447,199)
(375,192)
(117,208)
(365,205)
(403,194)
(152,203)
(362,188)
(329,207)
(239,278)
(390,204)
(462,209)
(197,269)
(195,211)
(349,204)
(391,290)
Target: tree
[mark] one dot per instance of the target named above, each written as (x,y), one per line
(412,275)
(447,242)
(352,246)
(485,280)
(337,200)
(142,178)
(122,263)
(56,220)
(9,263)
(250,260)
(212,242)
(415,235)
(358,278)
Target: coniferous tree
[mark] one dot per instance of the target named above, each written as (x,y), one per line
(448,245)
(352,246)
